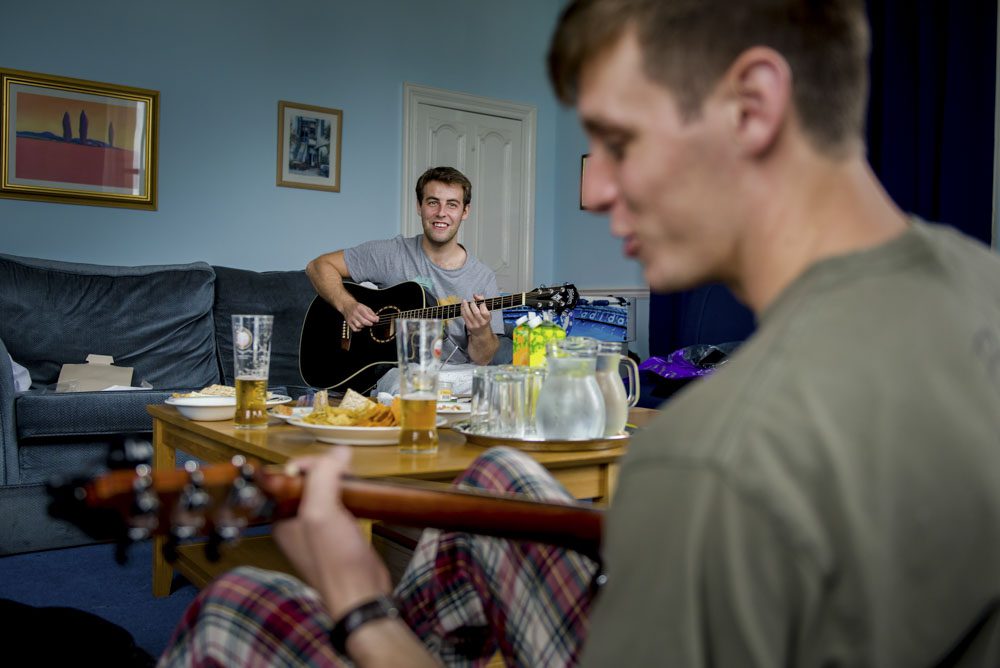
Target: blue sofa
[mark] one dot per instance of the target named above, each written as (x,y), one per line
(171,323)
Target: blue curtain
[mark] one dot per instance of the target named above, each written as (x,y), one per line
(931,109)
(930,141)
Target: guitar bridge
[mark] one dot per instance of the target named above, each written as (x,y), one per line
(345,336)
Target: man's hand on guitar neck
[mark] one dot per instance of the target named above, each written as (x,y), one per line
(483,342)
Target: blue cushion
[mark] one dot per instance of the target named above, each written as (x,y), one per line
(284,294)
(156,319)
(47,414)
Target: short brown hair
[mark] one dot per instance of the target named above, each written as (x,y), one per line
(687,45)
(448,175)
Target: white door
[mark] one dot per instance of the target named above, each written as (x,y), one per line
(491,142)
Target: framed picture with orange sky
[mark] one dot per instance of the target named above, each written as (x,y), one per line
(78,142)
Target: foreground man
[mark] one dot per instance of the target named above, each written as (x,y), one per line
(829,497)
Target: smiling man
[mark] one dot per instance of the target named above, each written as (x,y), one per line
(435,259)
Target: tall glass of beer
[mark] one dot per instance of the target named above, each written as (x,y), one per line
(251,358)
(418,344)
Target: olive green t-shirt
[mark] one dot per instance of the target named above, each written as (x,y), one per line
(831,496)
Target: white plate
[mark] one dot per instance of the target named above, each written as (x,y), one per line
(328,433)
(298,412)
(350,435)
(211,409)
(453,407)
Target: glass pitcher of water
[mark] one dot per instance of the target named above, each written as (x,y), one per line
(616,400)
(570,404)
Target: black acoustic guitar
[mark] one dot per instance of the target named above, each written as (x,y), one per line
(331,356)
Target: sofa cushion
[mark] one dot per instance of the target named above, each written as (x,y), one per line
(156,319)
(42,414)
(284,294)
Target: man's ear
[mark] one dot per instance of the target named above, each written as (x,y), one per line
(760,88)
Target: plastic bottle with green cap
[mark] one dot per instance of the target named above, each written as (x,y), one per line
(546,330)
(522,336)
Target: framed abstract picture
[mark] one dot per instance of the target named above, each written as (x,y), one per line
(78,142)
(309,146)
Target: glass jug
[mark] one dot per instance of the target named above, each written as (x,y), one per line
(616,400)
(570,403)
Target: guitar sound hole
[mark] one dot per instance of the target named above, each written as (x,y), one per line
(385,330)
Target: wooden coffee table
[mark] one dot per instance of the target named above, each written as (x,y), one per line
(586,474)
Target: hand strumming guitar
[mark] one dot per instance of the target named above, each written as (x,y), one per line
(358,316)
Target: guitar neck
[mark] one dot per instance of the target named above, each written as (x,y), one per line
(571,525)
(449,311)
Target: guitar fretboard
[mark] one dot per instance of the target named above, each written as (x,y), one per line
(455,310)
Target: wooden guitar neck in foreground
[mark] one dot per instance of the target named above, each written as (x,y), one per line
(223,499)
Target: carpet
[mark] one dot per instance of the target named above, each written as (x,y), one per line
(88,578)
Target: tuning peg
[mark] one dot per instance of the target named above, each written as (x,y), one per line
(189,514)
(223,533)
(245,495)
(144,515)
(169,549)
(121,551)
(245,500)
(129,452)
(212,552)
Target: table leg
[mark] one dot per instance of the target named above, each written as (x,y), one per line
(164,457)
(611,480)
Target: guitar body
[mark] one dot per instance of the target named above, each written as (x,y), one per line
(331,356)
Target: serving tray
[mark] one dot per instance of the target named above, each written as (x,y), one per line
(539,444)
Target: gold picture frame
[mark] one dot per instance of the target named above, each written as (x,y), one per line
(583,169)
(75,141)
(309,140)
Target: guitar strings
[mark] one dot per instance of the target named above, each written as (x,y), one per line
(449,310)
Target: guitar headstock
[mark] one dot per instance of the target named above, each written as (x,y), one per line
(558,298)
(216,501)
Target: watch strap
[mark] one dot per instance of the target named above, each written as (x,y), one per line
(380,607)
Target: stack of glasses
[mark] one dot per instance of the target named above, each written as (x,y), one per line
(504,400)
(578,395)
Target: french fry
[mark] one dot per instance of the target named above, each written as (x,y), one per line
(373,415)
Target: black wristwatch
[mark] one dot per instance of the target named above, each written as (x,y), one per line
(378,608)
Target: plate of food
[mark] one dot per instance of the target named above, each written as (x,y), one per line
(453,407)
(214,403)
(348,435)
(356,421)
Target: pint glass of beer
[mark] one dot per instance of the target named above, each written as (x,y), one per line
(251,358)
(418,344)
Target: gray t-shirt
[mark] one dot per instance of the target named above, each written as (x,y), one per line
(386,262)
(831,496)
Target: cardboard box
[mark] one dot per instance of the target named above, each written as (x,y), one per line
(96,374)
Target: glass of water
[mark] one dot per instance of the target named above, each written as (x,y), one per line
(508,413)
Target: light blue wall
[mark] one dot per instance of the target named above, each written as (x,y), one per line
(587,253)
(222,65)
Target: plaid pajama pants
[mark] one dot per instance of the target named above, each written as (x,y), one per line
(465,596)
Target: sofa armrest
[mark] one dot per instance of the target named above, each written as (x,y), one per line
(8,429)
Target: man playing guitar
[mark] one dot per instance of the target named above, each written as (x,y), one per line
(435,259)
